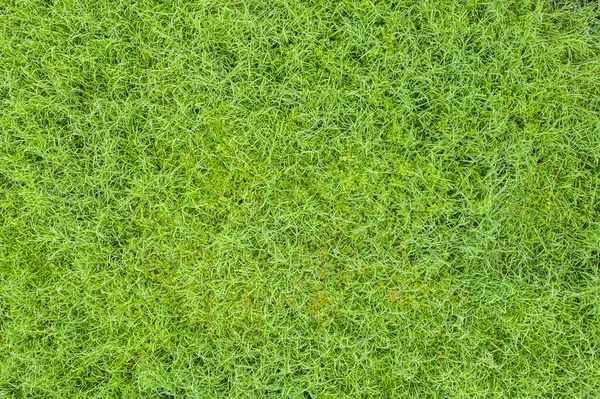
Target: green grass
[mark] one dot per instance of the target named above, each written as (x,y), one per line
(299,199)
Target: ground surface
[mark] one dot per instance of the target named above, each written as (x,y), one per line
(299,199)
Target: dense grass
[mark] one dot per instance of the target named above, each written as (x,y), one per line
(299,199)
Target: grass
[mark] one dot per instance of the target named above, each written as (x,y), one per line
(299,199)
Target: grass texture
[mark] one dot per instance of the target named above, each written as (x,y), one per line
(299,199)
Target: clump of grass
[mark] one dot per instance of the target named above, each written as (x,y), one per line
(299,199)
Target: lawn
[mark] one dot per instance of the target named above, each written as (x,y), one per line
(299,199)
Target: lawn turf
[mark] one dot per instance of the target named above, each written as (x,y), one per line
(299,199)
